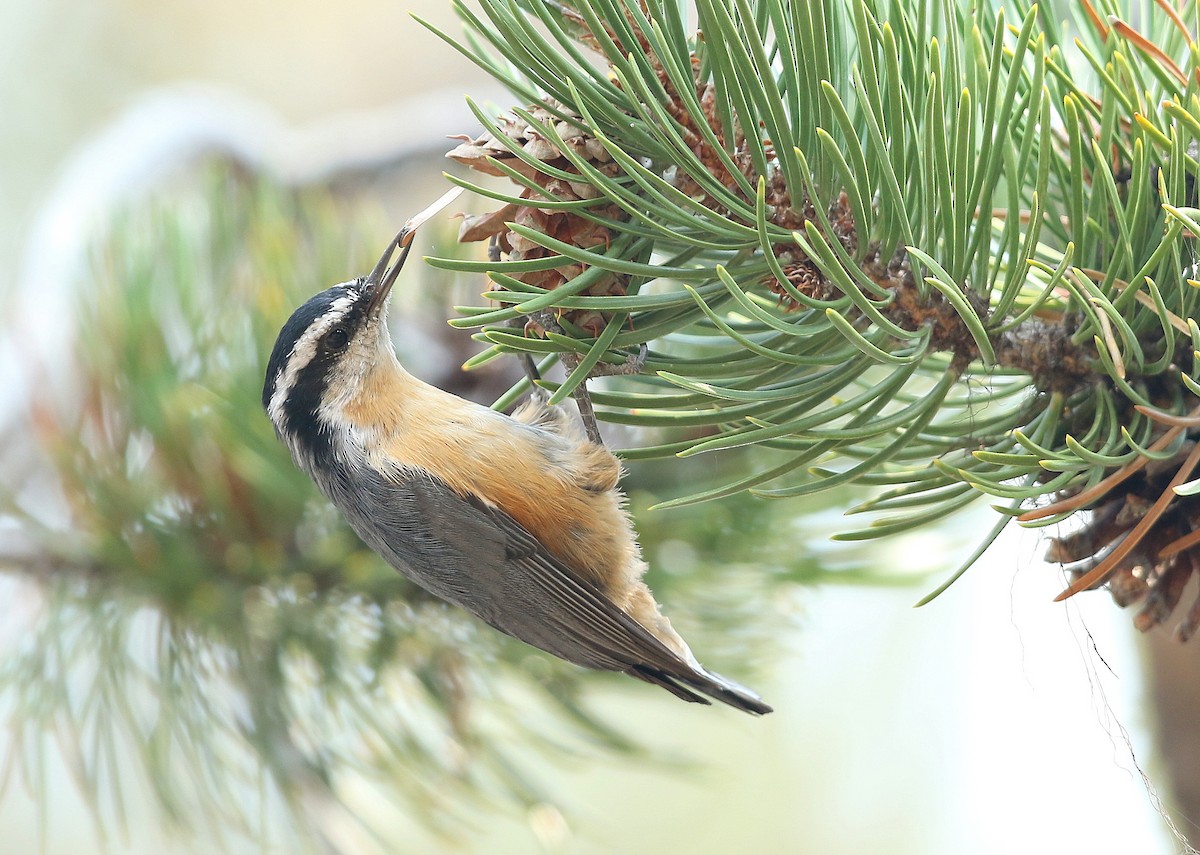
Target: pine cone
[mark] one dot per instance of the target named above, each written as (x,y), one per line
(1140,541)
(567,226)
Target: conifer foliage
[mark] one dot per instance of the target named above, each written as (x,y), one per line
(943,251)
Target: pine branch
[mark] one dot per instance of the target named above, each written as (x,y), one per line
(897,246)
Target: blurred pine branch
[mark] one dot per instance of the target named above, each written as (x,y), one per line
(203,627)
(941,251)
(206,616)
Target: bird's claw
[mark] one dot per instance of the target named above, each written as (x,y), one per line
(633,364)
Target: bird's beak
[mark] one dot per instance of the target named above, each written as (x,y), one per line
(380,280)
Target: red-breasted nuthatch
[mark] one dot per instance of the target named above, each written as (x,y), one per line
(516,519)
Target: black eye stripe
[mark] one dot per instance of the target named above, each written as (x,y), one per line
(301,406)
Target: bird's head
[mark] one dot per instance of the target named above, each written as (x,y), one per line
(327,351)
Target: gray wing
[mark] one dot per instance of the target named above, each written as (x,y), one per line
(480,558)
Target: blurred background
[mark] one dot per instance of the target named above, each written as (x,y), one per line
(175,178)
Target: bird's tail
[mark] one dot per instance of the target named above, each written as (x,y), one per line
(682,683)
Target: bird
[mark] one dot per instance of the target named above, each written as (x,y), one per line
(518,519)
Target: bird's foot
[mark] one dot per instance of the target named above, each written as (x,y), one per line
(633,364)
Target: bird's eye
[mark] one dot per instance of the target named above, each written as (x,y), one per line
(337,339)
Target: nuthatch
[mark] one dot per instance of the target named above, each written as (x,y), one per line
(517,519)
